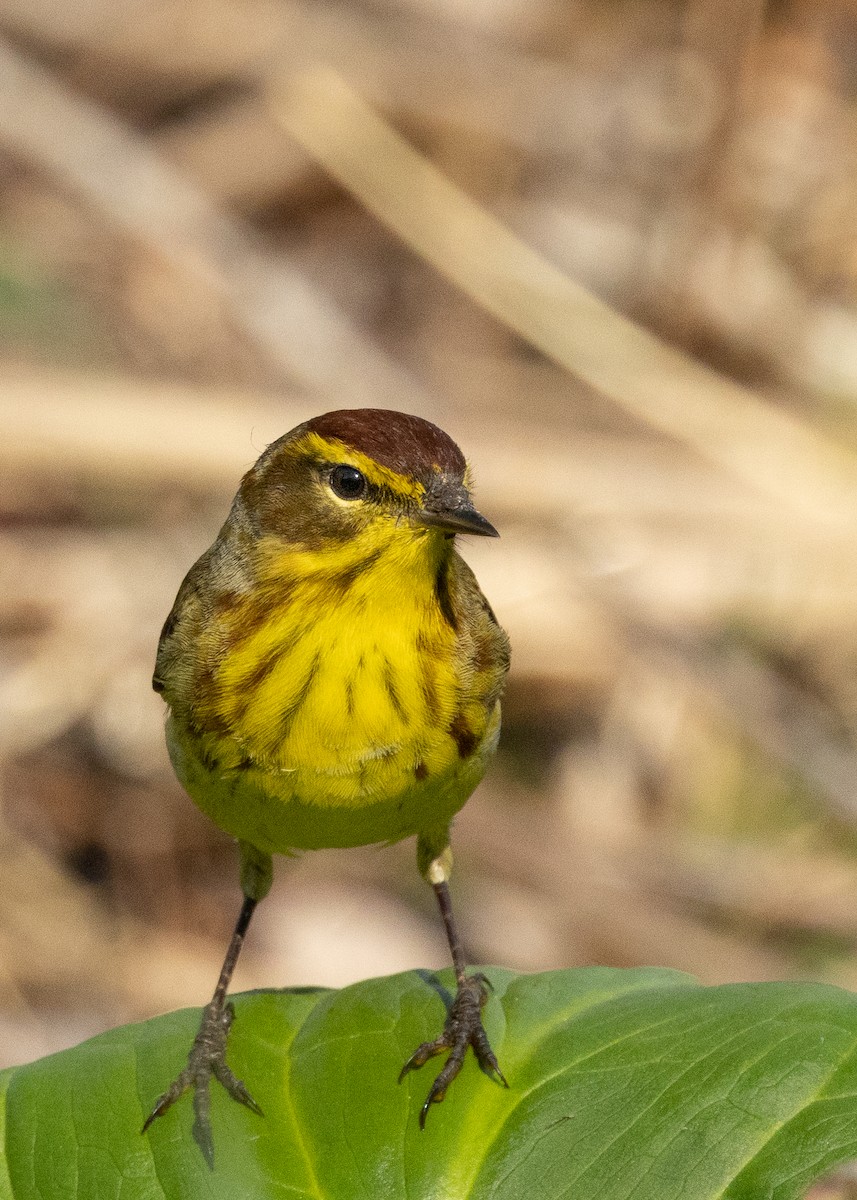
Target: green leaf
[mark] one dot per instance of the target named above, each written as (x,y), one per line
(623,1084)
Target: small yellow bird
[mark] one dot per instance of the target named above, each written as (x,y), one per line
(333,675)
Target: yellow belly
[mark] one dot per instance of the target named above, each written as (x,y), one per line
(296,809)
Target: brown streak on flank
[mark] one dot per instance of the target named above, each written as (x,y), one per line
(205,688)
(253,617)
(392,691)
(291,710)
(349,697)
(464,738)
(227,601)
(341,581)
(421,771)
(442,595)
(484,658)
(405,444)
(258,673)
(428,687)
(245,688)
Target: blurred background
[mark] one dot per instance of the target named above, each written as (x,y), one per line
(188,268)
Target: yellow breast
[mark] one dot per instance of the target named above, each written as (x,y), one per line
(348,692)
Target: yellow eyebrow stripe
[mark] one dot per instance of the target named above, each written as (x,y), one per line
(333,451)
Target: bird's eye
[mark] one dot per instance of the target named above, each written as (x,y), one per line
(348,482)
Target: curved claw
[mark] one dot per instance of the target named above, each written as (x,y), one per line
(435,1096)
(422,1054)
(207,1059)
(234,1086)
(486,1057)
(463,1028)
(168,1098)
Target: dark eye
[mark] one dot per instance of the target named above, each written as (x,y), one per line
(348,482)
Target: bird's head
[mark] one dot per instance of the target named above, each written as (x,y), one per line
(361,476)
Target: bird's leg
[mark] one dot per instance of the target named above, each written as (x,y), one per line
(207,1055)
(463,1026)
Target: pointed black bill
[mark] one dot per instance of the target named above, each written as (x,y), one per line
(464,519)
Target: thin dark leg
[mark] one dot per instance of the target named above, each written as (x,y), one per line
(234,949)
(463,1025)
(444,901)
(208,1053)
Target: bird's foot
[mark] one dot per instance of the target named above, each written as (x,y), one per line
(207,1058)
(463,1028)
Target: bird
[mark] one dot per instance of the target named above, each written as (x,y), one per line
(333,678)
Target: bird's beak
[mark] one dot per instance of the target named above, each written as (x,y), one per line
(451,509)
(460,520)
